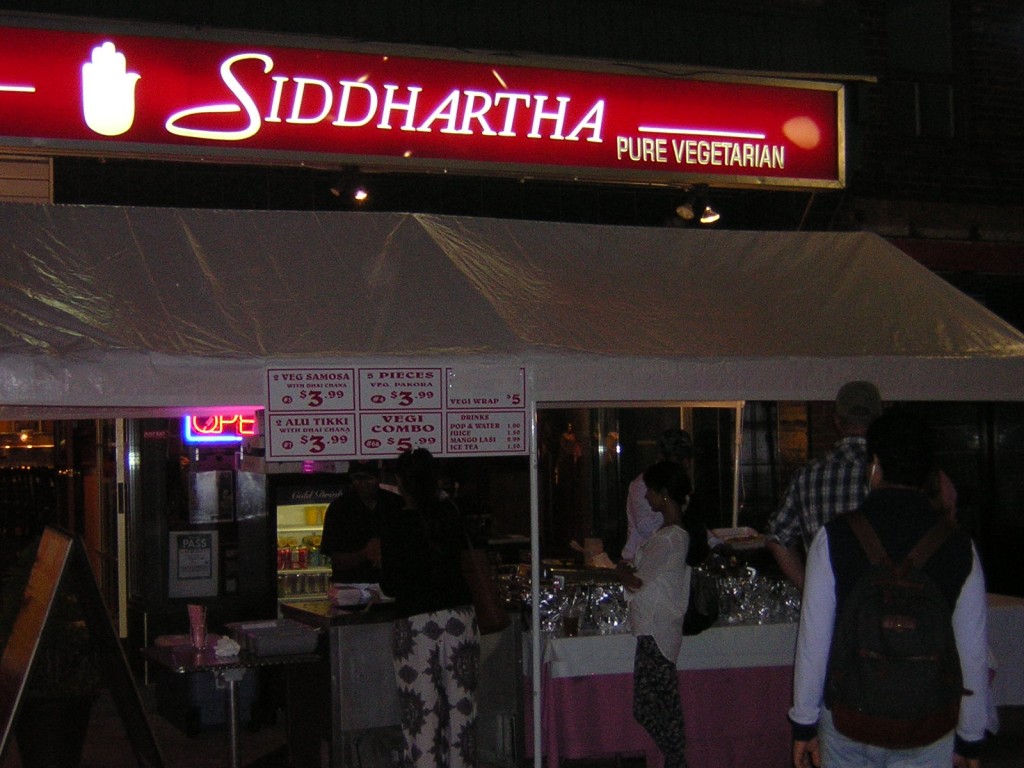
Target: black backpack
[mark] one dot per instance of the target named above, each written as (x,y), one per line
(894,676)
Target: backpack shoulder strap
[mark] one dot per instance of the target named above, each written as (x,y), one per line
(929,544)
(868,539)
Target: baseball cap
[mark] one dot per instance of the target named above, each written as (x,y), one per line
(675,442)
(364,468)
(859,401)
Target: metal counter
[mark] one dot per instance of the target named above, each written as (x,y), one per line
(357,676)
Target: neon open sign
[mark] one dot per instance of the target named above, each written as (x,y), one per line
(221,428)
(164,96)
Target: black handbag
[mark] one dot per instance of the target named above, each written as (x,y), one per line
(702,610)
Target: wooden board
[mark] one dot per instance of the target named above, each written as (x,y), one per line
(61,562)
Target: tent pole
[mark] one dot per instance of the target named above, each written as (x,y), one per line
(737,444)
(535,573)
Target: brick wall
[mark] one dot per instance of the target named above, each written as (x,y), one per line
(983,162)
(774,35)
(26,179)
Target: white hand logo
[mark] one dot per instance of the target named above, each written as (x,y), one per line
(108,92)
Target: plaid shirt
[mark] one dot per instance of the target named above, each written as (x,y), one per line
(821,490)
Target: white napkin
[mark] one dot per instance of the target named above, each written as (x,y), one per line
(351,594)
(226,647)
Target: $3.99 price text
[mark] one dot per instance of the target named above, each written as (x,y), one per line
(319,443)
(403,398)
(314,398)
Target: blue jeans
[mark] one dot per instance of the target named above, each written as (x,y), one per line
(838,751)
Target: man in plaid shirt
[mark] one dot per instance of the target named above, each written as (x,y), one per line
(826,487)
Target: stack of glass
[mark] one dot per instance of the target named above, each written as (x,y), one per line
(598,606)
(748,597)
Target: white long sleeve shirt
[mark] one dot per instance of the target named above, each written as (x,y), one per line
(641,520)
(658,607)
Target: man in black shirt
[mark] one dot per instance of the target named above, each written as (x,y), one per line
(352,526)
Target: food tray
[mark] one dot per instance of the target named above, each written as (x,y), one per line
(275,638)
(739,539)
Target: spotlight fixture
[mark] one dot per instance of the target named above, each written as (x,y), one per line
(710,215)
(696,208)
(685,209)
(350,187)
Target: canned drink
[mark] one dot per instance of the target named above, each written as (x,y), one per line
(284,558)
(302,557)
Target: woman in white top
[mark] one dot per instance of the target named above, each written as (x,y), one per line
(657,589)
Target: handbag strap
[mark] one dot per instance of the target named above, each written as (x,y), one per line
(462,525)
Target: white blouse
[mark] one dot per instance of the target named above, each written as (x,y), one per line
(658,607)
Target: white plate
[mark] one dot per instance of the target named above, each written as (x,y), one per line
(352,595)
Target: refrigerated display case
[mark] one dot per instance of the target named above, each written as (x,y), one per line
(302,572)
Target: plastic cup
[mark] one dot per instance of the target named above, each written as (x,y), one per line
(197,625)
(198,635)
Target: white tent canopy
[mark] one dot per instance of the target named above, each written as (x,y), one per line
(130,311)
(112,310)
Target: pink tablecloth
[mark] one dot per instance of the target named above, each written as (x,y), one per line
(735,718)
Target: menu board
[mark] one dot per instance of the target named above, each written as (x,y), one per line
(369,412)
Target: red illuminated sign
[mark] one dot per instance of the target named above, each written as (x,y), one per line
(224,428)
(164,96)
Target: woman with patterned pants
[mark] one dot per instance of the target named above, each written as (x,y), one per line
(436,643)
(436,656)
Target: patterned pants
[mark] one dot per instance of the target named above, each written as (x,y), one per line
(436,658)
(656,704)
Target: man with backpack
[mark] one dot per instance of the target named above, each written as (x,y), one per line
(890,665)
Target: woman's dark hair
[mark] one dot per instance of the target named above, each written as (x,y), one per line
(670,477)
(905,447)
(417,473)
